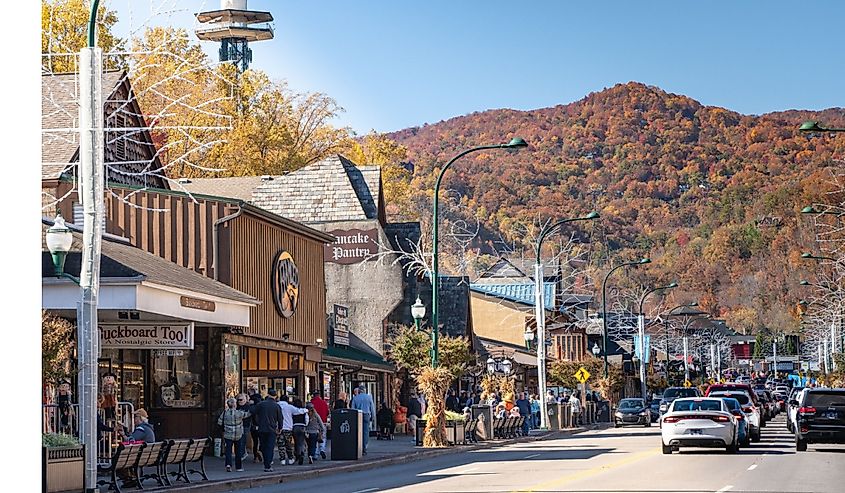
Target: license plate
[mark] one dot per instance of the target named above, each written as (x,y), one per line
(830,415)
(694,432)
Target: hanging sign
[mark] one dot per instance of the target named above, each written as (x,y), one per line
(351,246)
(147,336)
(341,325)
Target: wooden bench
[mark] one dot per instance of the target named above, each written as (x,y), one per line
(498,427)
(151,456)
(125,458)
(469,431)
(187,453)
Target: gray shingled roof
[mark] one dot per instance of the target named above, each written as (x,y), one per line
(60,110)
(122,260)
(236,187)
(334,189)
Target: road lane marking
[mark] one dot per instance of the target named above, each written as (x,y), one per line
(752,467)
(365,491)
(530,456)
(726,488)
(589,472)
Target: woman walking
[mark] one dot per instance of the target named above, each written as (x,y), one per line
(315,430)
(299,444)
(244,404)
(232,421)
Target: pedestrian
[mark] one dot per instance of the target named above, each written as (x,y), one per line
(470,400)
(285,442)
(414,413)
(315,431)
(363,402)
(535,411)
(524,406)
(423,405)
(550,397)
(143,432)
(452,402)
(268,419)
(384,420)
(300,438)
(341,401)
(575,402)
(232,421)
(462,400)
(321,407)
(244,404)
(254,400)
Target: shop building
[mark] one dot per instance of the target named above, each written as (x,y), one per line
(346,201)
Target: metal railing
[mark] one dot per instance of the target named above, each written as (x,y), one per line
(52,422)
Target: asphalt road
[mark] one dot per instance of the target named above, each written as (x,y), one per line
(610,460)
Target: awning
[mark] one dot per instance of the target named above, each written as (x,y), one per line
(517,354)
(349,356)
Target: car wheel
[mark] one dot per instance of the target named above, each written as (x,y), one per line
(667,449)
(800,445)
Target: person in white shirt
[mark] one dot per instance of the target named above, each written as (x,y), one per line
(285,442)
(575,402)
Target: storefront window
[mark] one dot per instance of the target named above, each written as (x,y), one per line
(232,365)
(178,376)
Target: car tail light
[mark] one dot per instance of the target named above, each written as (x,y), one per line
(807,410)
(720,419)
(671,419)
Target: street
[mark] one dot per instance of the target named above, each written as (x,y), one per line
(608,460)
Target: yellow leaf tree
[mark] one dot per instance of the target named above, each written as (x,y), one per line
(64,27)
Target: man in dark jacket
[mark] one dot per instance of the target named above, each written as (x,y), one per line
(452,402)
(268,418)
(524,406)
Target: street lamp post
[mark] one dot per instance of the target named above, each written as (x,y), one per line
(641,333)
(540,310)
(694,304)
(604,305)
(515,143)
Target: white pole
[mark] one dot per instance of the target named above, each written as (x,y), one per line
(90,171)
(540,318)
(821,357)
(832,344)
(775,353)
(641,335)
(686,357)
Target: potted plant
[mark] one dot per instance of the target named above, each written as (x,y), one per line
(63,463)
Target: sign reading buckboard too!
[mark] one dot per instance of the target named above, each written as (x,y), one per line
(351,246)
(147,336)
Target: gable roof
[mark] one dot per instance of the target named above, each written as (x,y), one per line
(235,187)
(333,189)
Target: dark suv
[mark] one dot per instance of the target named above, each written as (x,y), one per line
(673,393)
(820,417)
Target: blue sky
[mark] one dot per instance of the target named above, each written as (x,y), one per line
(397,64)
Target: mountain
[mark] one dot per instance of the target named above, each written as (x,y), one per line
(711,195)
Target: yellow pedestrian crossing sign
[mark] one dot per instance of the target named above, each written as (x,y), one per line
(687,384)
(582,374)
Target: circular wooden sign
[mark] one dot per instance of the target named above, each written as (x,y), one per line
(284,284)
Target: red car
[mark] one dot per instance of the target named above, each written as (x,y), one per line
(729,387)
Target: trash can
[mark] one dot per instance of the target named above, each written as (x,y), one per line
(484,431)
(347,434)
(555,411)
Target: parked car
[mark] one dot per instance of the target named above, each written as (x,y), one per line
(632,411)
(654,407)
(743,379)
(698,422)
(673,393)
(795,396)
(743,429)
(752,413)
(820,417)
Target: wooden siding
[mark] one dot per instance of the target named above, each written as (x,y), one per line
(253,243)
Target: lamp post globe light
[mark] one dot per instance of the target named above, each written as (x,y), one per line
(507,366)
(540,308)
(596,350)
(491,365)
(515,143)
(641,261)
(59,240)
(418,312)
(529,336)
(643,356)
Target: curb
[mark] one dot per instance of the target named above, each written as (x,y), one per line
(224,485)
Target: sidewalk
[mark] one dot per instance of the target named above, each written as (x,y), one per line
(379,453)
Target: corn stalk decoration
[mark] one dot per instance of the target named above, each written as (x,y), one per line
(434,383)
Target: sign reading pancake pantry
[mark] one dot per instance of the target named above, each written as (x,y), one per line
(351,246)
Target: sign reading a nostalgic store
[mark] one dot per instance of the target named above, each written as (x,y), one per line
(146,336)
(351,246)
(341,325)
(284,284)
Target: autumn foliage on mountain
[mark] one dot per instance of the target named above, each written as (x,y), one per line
(712,196)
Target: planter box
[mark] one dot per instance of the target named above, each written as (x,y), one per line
(63,469)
